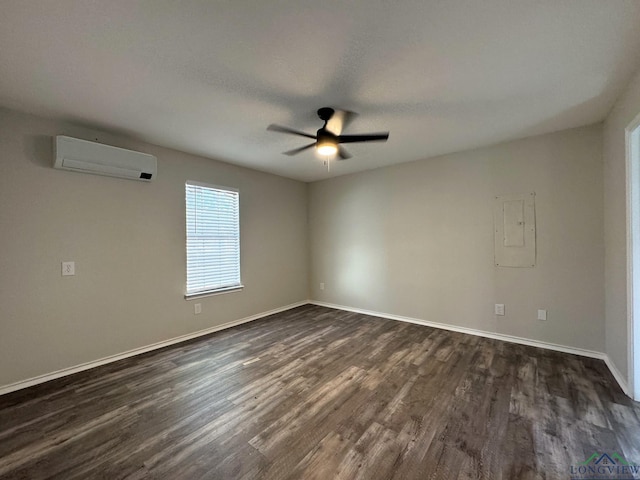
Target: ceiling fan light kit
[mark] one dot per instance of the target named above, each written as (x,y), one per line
(326,148)
(328,142)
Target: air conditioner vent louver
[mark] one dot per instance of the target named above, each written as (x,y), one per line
(99,159)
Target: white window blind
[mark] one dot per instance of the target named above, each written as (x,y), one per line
(213,239)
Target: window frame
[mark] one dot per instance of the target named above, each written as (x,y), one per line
(220,290)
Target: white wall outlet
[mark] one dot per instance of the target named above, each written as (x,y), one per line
(197,308)
(68,268)
(542,314)
(322,286)
(499,308)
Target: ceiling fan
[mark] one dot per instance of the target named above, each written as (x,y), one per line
(329,137)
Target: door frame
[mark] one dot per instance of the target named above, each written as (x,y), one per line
(632,148)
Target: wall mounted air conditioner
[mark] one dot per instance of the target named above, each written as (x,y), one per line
(90,157)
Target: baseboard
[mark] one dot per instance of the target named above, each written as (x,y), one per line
(496,336)
(470,331)
(624,385)
(137,351)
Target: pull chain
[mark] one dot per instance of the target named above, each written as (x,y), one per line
(327,162)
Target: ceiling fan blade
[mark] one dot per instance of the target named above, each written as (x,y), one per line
(281,129)
(296,151)
(348,117)
(372,137)
(340,120)
(342,153)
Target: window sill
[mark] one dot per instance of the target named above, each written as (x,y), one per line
(211,293)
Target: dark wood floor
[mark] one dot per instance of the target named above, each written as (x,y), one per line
(315,393)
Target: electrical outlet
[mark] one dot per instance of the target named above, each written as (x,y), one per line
(68,268)
(197,308)
(542,314)
(499,309)
(322,286)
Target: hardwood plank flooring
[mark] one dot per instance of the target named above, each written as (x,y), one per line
(316,393)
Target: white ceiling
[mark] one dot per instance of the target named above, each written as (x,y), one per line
(208,77)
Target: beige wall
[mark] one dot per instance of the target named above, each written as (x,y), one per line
(625,110)
(128,241)
(416,239)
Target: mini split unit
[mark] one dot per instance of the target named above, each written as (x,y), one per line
(90,157)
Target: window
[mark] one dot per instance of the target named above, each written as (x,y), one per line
(213,239)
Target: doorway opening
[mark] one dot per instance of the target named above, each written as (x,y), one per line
(633,253)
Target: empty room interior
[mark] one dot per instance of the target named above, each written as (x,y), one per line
(320,240)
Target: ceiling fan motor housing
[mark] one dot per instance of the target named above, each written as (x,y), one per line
(325,136)
(327,142)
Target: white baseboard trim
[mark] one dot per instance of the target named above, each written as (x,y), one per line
(470,331)
(137,351)
(496,336)
(624,385)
